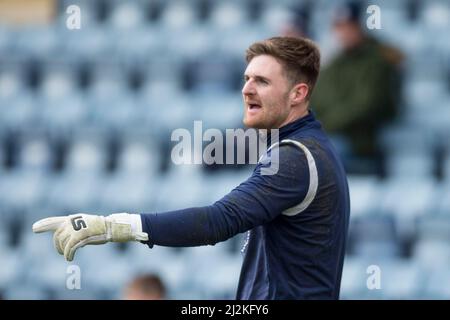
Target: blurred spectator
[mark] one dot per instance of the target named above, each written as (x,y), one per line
(298,26)
(145,287)
(358,92)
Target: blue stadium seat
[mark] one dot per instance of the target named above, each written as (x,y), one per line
(16,102)
(22,189)
(126,16)
(211,74)
(226,16)
(143,44)
(234,43)
(435,287)
(87,43)
(11,81)
(374,236)
(58,80)
(221,183)
(115,113)
(219,111)
(216,271)
(35,247)
(87,152)
(35,154)
(64,114)
(406,281)
(188,179)
(129,192)
(75,191)
(22,291)
(191,41)
(406,199)
(436,16)
(178,15)
(19,111)
(410,152)
(432,249)
(11,263)
(354,277)
(150,260)
(275,17)
(166,71)
(139,155)
(400,279)
(418,191)
(108,80)
(364,195)
(410,164)
(49,270)
(36,41)
(163,107)
(424,93)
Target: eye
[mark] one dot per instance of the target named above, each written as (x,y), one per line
(263,81)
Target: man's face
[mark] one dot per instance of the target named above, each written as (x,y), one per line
(265,94)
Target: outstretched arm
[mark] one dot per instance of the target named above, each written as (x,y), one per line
(258,200)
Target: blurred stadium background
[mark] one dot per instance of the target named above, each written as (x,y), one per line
(85,123)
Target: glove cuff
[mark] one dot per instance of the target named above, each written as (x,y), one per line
(124,227)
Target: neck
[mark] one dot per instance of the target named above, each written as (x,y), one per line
(293,116)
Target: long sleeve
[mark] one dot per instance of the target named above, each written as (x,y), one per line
(258,200)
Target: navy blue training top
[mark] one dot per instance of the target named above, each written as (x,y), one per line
(296,218)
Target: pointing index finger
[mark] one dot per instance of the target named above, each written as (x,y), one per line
(48,224)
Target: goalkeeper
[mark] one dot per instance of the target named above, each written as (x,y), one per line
(296,218)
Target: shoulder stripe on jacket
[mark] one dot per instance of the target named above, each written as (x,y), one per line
(313,178)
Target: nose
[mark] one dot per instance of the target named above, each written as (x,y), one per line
(248,88)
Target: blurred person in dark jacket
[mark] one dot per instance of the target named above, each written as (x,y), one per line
(299,23)
(358,92)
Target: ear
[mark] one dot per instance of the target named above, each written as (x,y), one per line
(299,93)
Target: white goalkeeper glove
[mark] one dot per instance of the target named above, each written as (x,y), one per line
(77,230)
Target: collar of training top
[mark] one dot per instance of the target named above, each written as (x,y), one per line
(287,129)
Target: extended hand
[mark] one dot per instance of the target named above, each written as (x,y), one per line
(77,230)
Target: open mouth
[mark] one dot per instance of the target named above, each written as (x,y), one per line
(254,106)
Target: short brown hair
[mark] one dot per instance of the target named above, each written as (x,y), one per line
(149,284)
(300,58)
